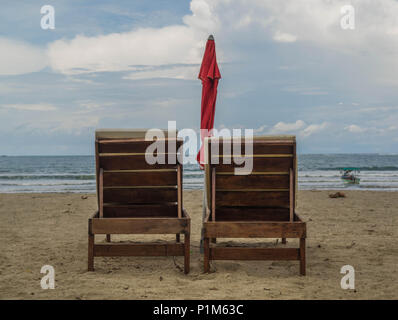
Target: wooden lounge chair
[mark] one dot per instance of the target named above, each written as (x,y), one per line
(258,205)
(135,197)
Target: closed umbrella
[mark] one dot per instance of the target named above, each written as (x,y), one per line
(209,74)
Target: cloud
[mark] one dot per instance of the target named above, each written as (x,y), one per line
(354,128)
(260,129)
(378,128)
(282,127)
(172,72)
(312,22)
(17,57)
(306,91)
(313,128)
(174,44)
(72,124)
(284,37)
(305,78)
(30,107)
(299,127)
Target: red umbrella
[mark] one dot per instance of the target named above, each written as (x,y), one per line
(209,74)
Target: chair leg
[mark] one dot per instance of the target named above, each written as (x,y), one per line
(108,238)
(177,237)
(283,240)
(206,257)
(187,247)
(302,256)
(90,252)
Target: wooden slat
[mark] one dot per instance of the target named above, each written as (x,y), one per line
(261,148)
(122,249)
(139,225)
(145,195)
(302,256)
(252,198)
(252,214)
(238,157)
(187,250)
(97,169)
(260,173)
(291,195)
(132,145)
(129,162)
(255,229)
(294,174)
(114,179)
(101,192)
(166,155)
(252,181)
(90,264)
(213,194)
(206,257)
(260,164)
(258,148)
(131,211)
(179,190)
(254,254)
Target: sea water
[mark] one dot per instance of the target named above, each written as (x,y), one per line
(77,173)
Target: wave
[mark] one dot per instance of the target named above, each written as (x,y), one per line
(316,172)
(373,168)
(47,177)
(60,183)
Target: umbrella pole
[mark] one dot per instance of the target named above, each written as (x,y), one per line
(203,219)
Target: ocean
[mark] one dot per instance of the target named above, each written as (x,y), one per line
(77,173)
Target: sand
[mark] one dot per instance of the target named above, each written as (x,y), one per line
(359,230)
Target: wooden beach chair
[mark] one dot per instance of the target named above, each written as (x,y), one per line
(135,197)
(258,205)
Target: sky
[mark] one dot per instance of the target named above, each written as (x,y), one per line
(287,67)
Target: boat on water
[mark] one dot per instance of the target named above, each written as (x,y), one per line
(350,175)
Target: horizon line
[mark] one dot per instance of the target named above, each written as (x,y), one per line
(93,155)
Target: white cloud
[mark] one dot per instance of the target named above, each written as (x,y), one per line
(306,91)
(282,127)
(17,57)
(73,123)
(30,107)
(174,72)
(260,129)
(354,128)
(175,44)
(299,128)
(313,128)
(284,37)
(310,21)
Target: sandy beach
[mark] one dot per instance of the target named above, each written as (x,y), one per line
(359,230)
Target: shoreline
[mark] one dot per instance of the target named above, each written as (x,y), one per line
(51,228)
(197,190)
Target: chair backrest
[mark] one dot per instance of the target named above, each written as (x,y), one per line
(129,186)
(268,192)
